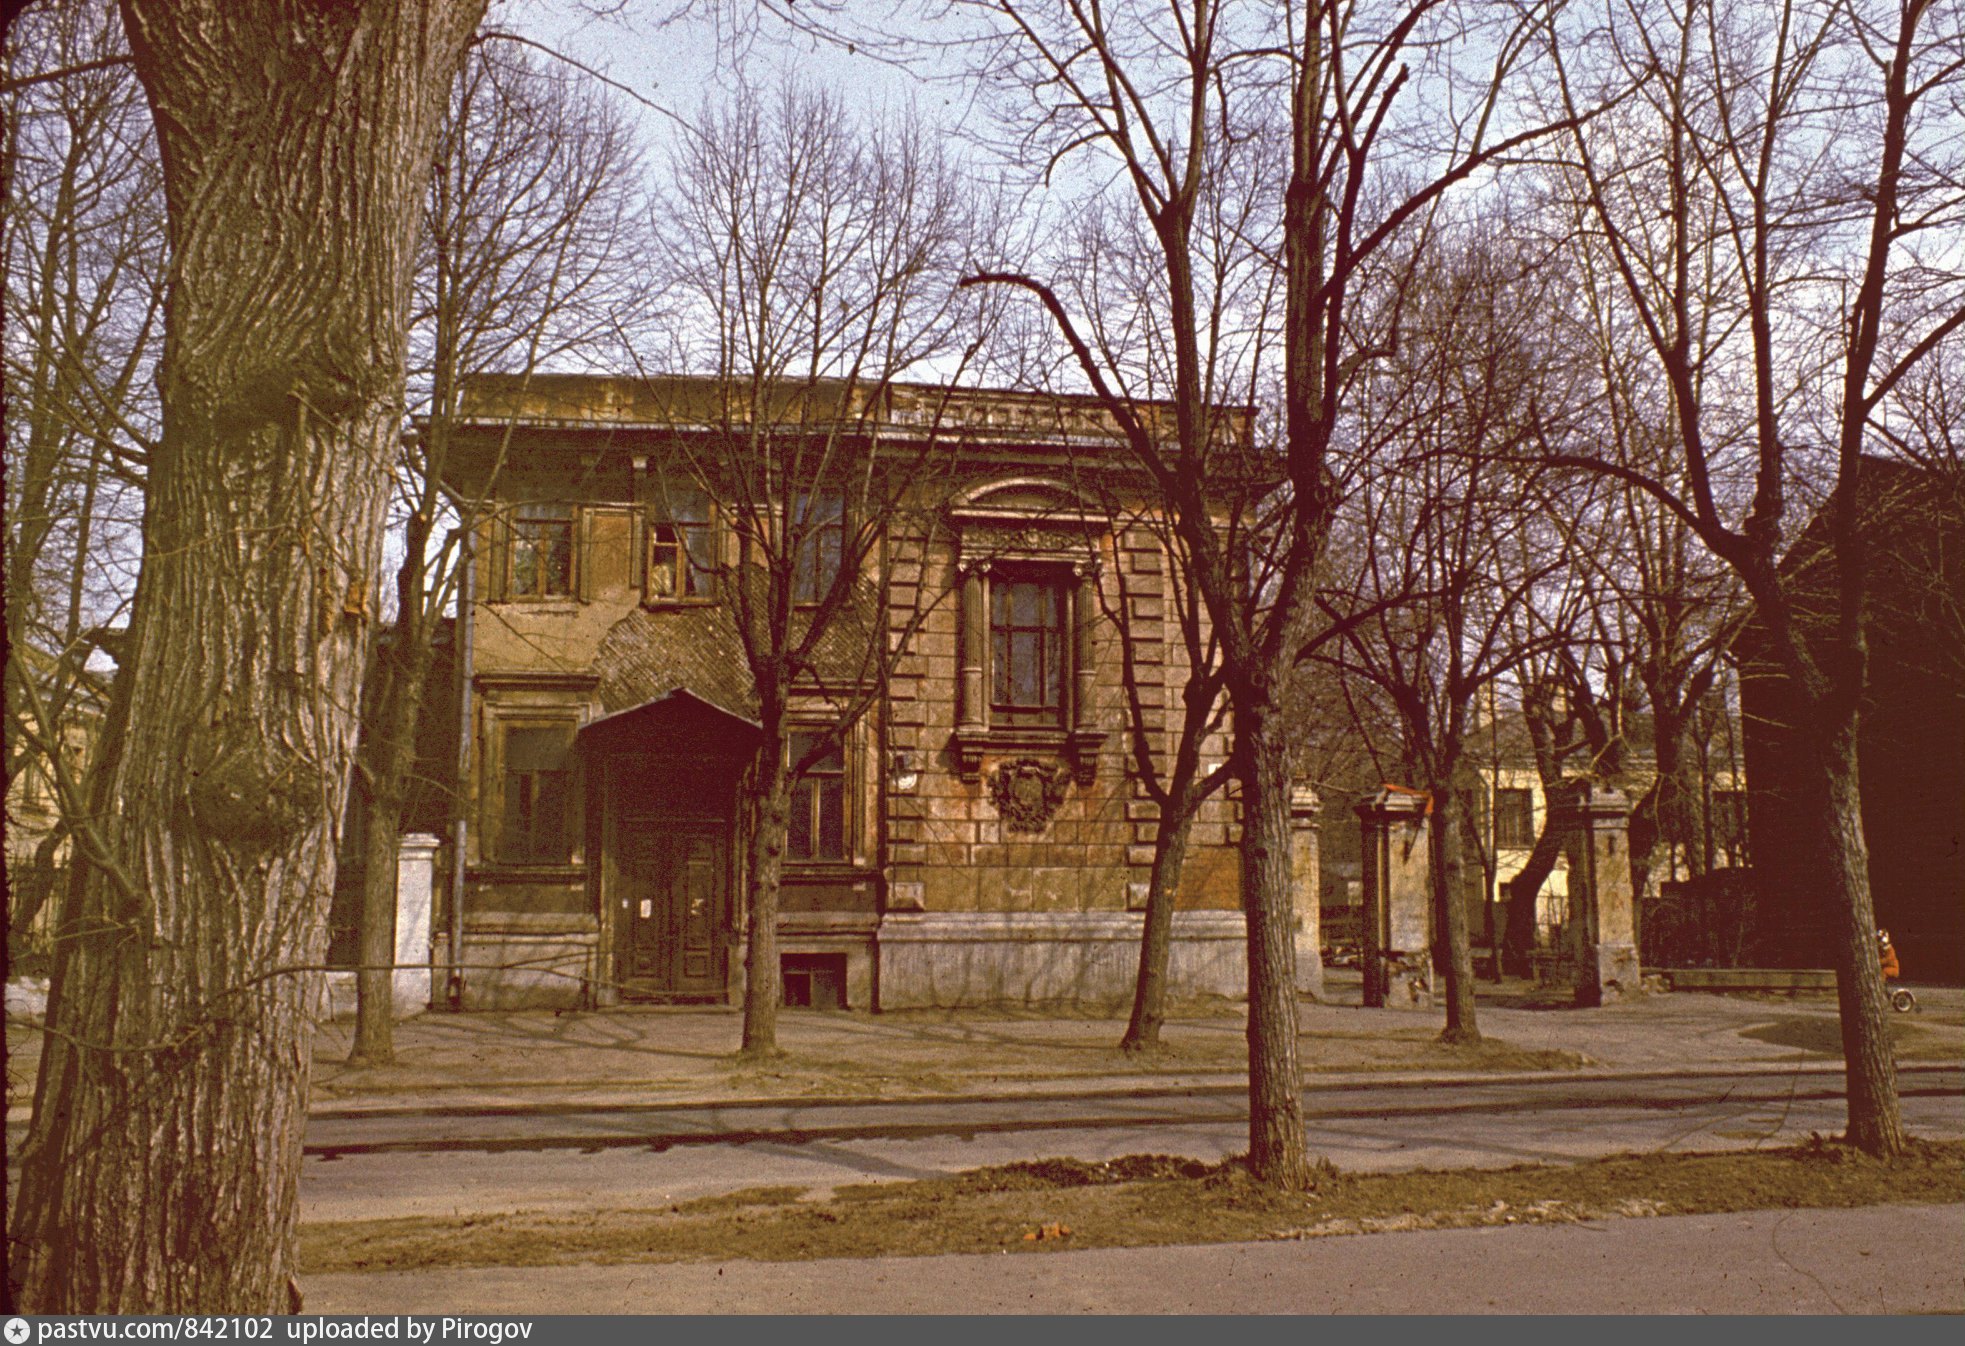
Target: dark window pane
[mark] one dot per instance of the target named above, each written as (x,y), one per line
(542,550)
(831,792)
(682,549)
(1024,668)
(537,749)
(1024,604)
(1514,818)
(818,520)
(513,837)
(1027,649)
(538,793)
(802,742)
(798,841)
(699,561)
(685,503)
(818,803)
(549,830)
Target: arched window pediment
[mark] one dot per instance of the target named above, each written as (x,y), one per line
(1026,497)
(1026,519)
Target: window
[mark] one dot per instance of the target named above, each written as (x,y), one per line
(682,559)
(818,803)
(1026,638)
(537,796)
(819,520)
(1514,819)
(541,552)
(1026,658)
(814,980)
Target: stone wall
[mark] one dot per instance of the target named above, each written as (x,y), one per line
(1080,957)
(950,847)
(985,905)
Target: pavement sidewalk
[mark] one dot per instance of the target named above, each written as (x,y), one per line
(1880,1259)
(685,1056)
(635,1056)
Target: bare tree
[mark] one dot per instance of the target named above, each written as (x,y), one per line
(161,1169)
(1149,86)
(81,231)
(1112,270)
(1460,548)
(1189,779)
(813,259)
(531,256)
(1779,198)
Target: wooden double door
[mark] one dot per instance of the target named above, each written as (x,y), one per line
(672,906)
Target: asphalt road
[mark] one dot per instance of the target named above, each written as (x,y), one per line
(427,1161)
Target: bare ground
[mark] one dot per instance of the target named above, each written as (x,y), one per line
(1134,1201)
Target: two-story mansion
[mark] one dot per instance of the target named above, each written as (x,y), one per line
(981,837)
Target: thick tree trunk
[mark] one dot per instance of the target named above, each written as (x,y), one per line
(160,1172)
(763,981)
(1875,1121)
(1156,941)
(1450,915)
(1518,943)
(1278,1152)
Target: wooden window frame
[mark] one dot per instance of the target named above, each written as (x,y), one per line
(806,795)
(516,523)
(815,568)
(987,726)
(672,555)
(504,852)
(1055,672)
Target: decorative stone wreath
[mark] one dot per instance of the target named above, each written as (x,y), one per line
(1028,791)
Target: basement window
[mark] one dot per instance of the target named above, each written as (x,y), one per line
(814,980)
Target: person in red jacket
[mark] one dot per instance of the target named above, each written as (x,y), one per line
(1887,952)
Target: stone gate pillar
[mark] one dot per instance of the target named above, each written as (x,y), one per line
(1602,930)
(1397,914)
(1308,886)
(416,857)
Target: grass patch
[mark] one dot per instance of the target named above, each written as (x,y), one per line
(1136,1201)
(1913,1037)
(745,1199)
(1494,1054)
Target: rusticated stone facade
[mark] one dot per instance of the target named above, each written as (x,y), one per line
(982,852)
